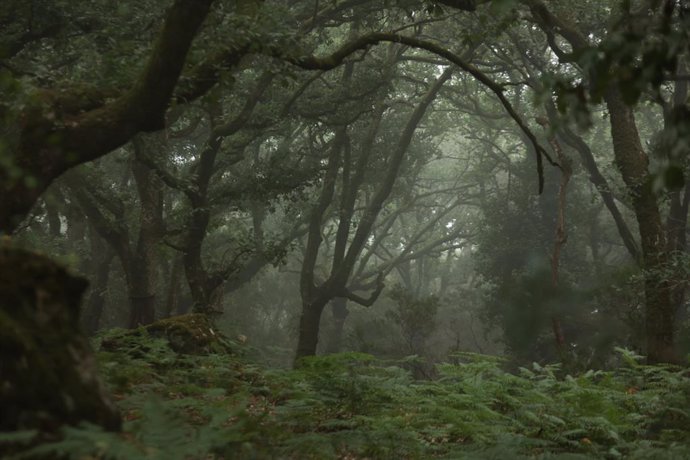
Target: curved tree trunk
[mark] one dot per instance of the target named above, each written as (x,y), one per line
(633,163)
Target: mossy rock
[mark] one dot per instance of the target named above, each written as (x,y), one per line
(191,334)
(48,375)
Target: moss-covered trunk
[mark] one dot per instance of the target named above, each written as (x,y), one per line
(48,374)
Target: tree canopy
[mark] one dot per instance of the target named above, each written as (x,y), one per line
(414,179)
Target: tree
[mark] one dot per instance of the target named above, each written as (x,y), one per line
(346,252)
(107,214)
(68,126)
(657,240)
(633,57)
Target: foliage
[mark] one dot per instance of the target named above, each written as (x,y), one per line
(462,230)
(352,405)
(415,316)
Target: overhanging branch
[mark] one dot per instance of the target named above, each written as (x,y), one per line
(364,42)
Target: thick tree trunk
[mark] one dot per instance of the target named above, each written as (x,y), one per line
(142,286)
(602,186)
(138,263)
(340,313)
(48,377)
(206,290)
(633,163)
(201,283)
(309,328)
(143,263)
(143,310)
(677,219)
(209,299)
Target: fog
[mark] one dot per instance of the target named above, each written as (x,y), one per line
(374,189)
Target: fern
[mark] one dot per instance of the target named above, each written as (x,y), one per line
(355,406)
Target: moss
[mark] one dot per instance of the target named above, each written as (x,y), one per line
(187,334)
(192,334)
(47,370)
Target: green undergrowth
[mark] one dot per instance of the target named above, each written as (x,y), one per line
(353,406)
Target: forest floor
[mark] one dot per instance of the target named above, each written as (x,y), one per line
(353,406)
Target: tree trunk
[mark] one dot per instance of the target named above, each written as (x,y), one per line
(314,298)
(215,301)
(560,237)
(143,263)
(201,284)
(206,289)
(48,377)
(309,329)
(142,288)
(172,300)
(633,163)
(677,219)
(340,313)
(143,310)
(94,308)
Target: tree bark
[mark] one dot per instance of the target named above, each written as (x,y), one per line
(633,163)
(201,283)
(340,314)
(172,299)
(96,303)
(561,235)
(138,262)
(602,186)
(48,377)
(143,262)
(309,325)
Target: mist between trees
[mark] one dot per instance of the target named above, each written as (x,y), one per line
(410,181)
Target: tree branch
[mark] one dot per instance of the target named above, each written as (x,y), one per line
(49,145)
(368,301)
(364,42)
